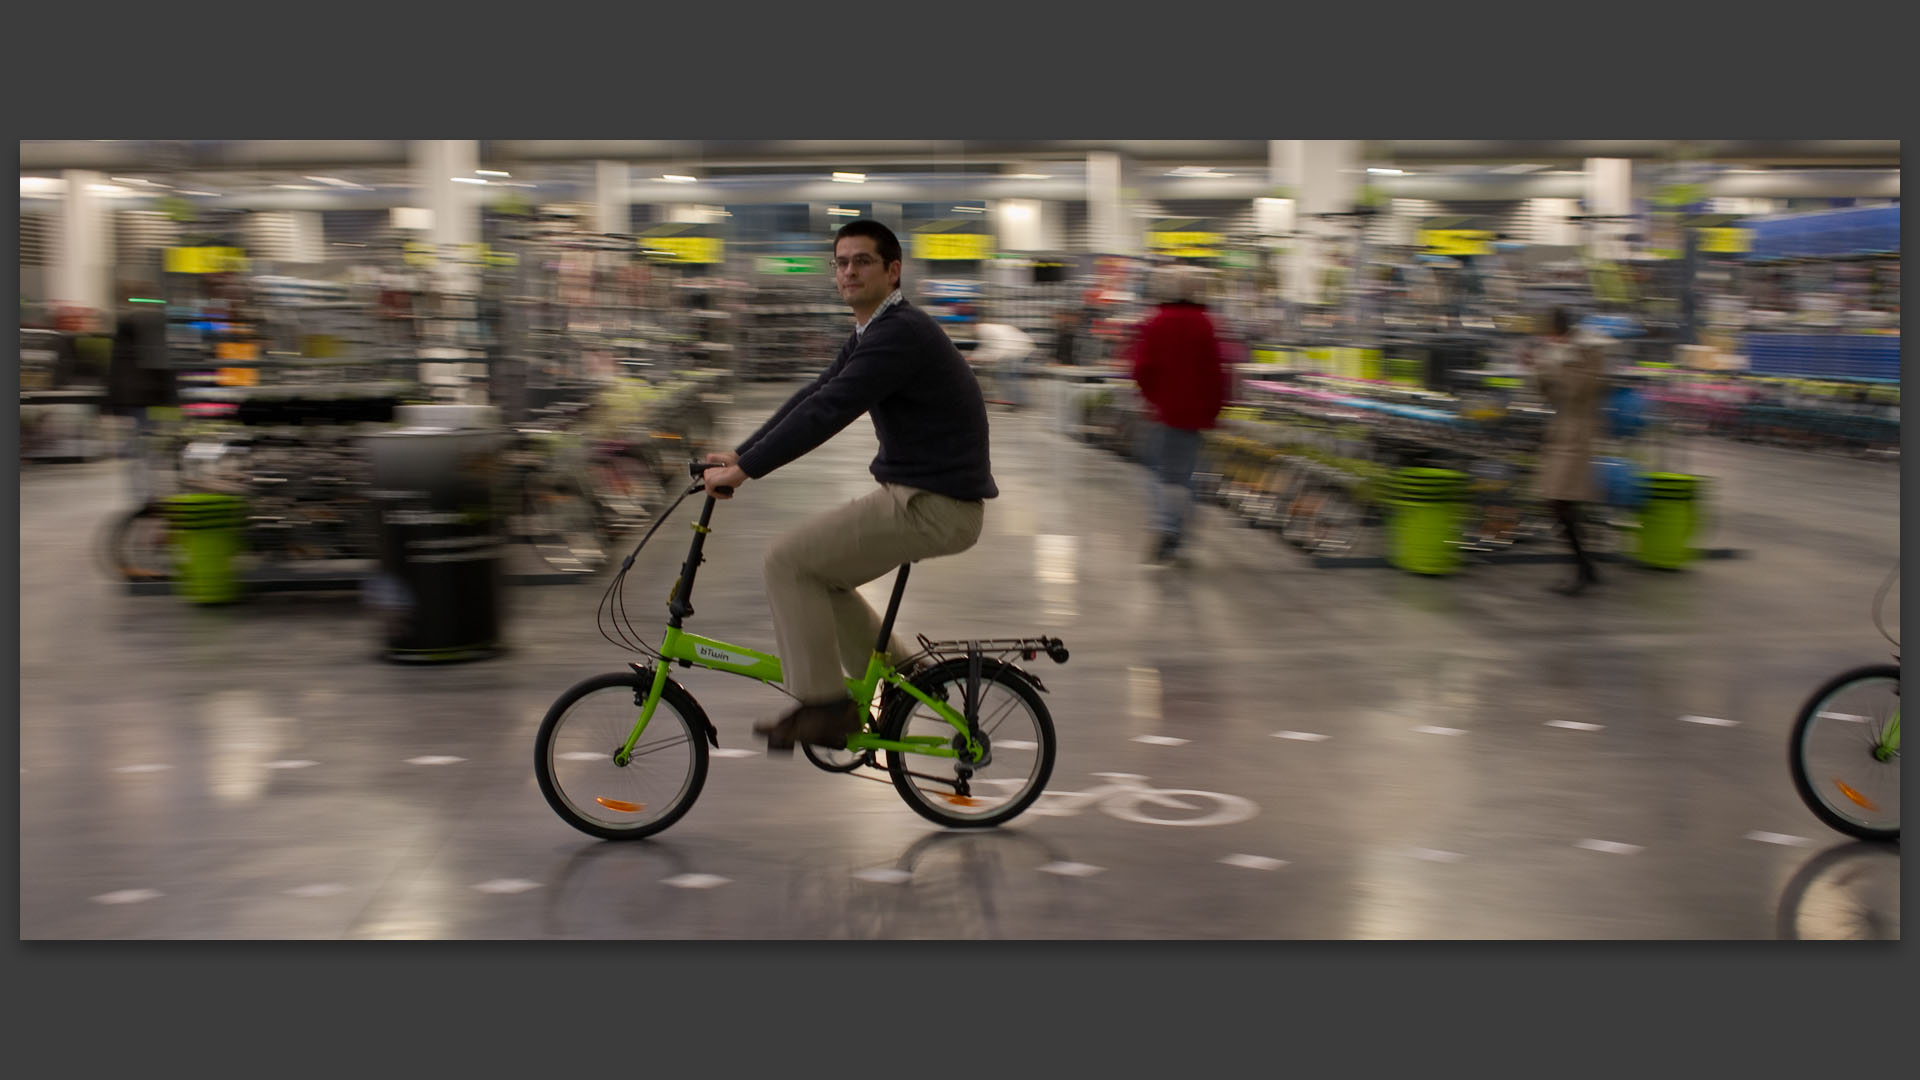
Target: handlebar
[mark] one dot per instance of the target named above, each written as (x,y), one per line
(698,470)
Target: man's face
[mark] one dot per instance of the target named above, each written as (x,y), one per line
(862,278)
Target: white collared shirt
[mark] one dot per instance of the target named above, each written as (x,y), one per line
(860,328)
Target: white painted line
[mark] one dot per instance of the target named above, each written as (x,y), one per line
(1429,729)
(1016,744)
(573,755)
(732,751)
(1071,869)
(290,764)
(1574,725)
(697,881)
(1710,721)
(1254,862)
(1785,839)
(312,891)
(1159,740)
(1609,847)
(127,896)
(1848,717)
(142,768)
(885,875)
(1301,736)
(507,885)
(1119,776)
(435,759)
(1435,855)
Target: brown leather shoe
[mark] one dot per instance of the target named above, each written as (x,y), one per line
(823,725)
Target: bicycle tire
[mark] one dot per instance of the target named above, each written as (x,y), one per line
(1814,718)
(1022,752)
(137,545)
(669,787)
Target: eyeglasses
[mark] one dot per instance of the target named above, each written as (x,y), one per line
(862,261)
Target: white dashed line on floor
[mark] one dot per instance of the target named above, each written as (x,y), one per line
(507,886)
(309,892)
(1710,721)
(571,755)
(697,881)
(1574,725)
(1429,729)
(885,875)
(142,768)
(435,759)
(734,752)
(1301,736)
(1159,740)
(1254,862)
(128,896)
(1848,717)
(1016,744)
(1609,847)
(299,764)
(1435,855)
(1071,869)
(1783,839)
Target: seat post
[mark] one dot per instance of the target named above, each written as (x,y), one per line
(893,608)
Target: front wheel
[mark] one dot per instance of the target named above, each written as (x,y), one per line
(574,757)
(1019,735)
(1845,753)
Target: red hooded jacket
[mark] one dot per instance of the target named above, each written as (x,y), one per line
(1180,367)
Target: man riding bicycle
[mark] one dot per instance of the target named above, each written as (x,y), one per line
(933,470)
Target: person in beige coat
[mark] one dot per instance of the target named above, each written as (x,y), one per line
(1571,374)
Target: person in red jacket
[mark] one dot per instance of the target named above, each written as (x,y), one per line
(1180,367)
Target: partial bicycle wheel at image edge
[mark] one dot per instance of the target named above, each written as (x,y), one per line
(578,761)
(1016,727)
(1845,753)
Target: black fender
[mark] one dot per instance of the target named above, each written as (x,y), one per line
(645,671)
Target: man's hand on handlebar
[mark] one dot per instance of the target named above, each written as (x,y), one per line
(723,475)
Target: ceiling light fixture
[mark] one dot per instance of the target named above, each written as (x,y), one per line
(1387,172)
(467,179)
(850,177)
(492,172)
(676,178)
(970,209)
(843,211)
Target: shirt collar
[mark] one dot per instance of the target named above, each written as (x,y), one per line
(860,328)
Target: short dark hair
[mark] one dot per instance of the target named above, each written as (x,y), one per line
(1559,323)
(884,242)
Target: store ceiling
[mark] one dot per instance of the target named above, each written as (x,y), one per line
(330,174)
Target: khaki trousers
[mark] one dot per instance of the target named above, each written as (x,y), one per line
(822,626)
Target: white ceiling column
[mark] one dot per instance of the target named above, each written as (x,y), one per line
(1113,227)
(610,197)
(1609,184)
(454,206)
(82,256)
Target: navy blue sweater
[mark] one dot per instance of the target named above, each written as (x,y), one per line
(926,406)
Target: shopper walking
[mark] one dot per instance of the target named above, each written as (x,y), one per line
(933,471)
(1570,373)
(1179,364)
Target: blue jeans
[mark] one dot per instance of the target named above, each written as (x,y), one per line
(1171,456)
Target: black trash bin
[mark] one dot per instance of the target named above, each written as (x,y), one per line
(441,586)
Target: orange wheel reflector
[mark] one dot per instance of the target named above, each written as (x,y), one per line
(961,800)
(1859,799)
(620,805)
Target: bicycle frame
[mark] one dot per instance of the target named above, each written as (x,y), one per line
(692,650)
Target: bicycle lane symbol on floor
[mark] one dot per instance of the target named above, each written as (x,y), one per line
(1128,796)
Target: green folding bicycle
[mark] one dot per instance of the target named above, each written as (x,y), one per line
(959,728)
(1844,753)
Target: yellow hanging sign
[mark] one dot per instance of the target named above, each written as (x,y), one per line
(969,247)
(684,249)
(205,260)
(1185,245)
(1457,241)
(1726,241)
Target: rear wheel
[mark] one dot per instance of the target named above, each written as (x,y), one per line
(137,545)
(574,757)
(1845,753)
(1018,732)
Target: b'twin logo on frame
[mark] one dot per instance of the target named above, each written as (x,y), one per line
(708,652)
